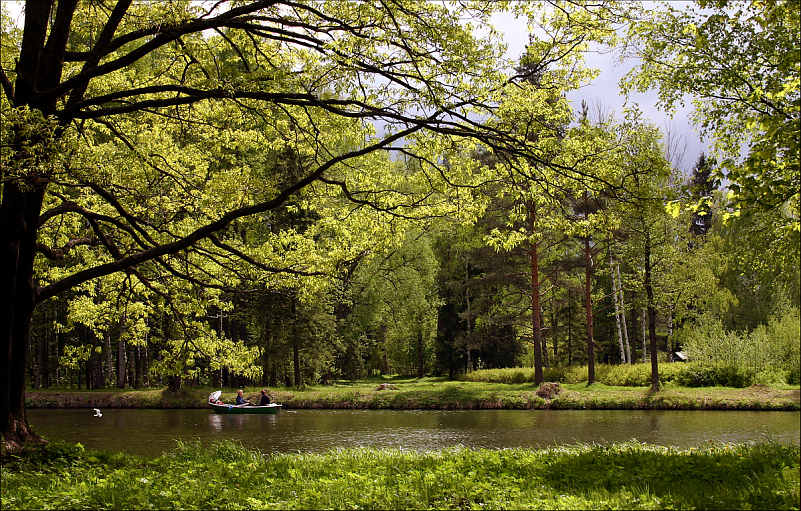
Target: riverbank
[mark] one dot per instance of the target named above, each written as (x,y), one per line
(228,476)
(439,394)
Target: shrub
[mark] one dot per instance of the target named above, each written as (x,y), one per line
(711,375)
(506,375)
(769,353)
(628,375)
(793,376)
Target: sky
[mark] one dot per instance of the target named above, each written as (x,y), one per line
(604,89)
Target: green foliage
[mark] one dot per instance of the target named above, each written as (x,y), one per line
(768,353)
(228,476)
(626,375)
(713,375)
(739,61)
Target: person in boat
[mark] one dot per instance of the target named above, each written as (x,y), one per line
(241,400)
(265,399)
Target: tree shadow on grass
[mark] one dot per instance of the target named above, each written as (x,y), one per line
(726,479)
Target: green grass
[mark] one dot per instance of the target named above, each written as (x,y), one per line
(228,476)
(440,394)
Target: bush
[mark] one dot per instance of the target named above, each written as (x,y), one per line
(635,375)
(793,376)
(770,353)
(623,375)
(715,375)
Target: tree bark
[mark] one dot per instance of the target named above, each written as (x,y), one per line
(296,361)
(108,362)
(267,341)
(385,355)
(421,369)
(554,327)
(623,314)
(19,214)
(588,311)
(669,340)
(536,327)
(649,292)
(617,309)
(569,329)
(644,328)
(122,359)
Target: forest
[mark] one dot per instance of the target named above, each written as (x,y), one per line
(278,193)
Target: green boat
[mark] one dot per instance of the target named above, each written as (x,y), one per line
(272,408)
(266,409)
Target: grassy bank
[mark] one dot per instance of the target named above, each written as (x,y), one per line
(228,476)
(438,394)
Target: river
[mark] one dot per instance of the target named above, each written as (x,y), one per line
(150,432)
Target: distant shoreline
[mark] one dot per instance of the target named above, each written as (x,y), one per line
(442,396)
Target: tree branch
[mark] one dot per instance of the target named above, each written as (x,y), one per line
(207,230)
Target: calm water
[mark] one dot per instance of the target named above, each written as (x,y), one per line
(150,432)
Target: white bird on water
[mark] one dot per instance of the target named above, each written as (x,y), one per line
(97,412)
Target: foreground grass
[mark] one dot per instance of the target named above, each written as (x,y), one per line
(439,394)
(228,476)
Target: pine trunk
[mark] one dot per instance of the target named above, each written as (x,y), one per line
(122,363)
(588,311)
(569,329)
(108,362)
(649,292)
(535,297)
(296,361)
(554,327)
(420,359)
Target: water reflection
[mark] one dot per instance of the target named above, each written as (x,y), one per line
(152,431)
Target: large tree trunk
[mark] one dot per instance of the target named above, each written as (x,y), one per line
(649,292)
(588,311)
(19,214)
(535,297)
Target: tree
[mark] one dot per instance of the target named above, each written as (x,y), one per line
(740,62)
(95,91)
(702,184)
(649,171)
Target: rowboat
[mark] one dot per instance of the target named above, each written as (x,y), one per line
(272,408)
